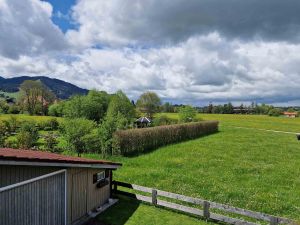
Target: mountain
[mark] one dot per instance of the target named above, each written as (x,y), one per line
(61,89)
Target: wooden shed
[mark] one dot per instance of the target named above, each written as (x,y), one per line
(41,188)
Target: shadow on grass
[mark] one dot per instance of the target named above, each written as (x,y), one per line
(136,154)
(120,213)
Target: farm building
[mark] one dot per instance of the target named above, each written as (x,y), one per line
(290,114)
(46,188)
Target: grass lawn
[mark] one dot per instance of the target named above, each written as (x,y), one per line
(131,212)
(25,117)
(251,121)
(252,169)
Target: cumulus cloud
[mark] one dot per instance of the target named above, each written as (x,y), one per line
(195,52)
(199,70)
(152,22)
(26,28)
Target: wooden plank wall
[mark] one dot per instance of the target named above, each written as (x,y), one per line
(39,203)
(15,174)
(94,196)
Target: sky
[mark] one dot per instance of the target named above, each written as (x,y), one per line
(190,52)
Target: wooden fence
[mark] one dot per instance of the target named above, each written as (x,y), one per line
(207,206)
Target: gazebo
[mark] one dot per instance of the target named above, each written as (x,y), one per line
(143,122)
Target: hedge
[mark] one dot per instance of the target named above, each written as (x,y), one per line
(135,141)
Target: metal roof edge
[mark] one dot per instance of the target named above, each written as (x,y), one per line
(57,164)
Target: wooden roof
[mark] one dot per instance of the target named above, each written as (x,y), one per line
(40,156)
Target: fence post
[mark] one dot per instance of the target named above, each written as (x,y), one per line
(274,221)
(154,197)
(206,212)
(115,187)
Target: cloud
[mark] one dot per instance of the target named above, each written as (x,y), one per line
(155,22)
(201,69)
(26,29)
(193,53)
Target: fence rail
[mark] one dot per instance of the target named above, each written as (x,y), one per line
(205,212)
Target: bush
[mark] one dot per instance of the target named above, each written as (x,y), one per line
(27,135)
(14,109)
(2,133)
(49,125)
(162,120)
(11,142)
(50,142)
(275,112)
(75,131)
(187,114)
(56,109)
(135,141)
(13,123)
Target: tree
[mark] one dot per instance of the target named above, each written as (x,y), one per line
(275,112)
(121,104)
(210,108)
(187,114)
(107,129)
(4,107)
(56,109)
(149,103)
(75,132)
(92,107)
(35,96)
(167,108)
(74,107)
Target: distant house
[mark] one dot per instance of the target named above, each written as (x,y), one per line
(143,122)
(44,188)
(290,114)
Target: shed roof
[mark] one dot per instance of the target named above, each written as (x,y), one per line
(143,120)
(17,155)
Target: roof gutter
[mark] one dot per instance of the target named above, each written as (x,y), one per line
(54,164)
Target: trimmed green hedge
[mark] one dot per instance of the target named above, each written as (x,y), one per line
(135,141)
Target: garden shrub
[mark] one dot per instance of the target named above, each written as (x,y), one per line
(134,141)
(27,135)
(74,131)
(13,124)
(162,120)
(11,142)
(50,142)
(48,125)
(2,133)
(187,114)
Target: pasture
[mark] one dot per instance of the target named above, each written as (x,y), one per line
(247,168)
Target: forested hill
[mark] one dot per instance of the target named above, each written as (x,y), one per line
(60,88)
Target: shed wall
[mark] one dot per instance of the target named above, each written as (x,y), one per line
(79,178)
(15,174)
(94,196)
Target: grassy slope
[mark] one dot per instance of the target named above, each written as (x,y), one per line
(256,170)
(11,94)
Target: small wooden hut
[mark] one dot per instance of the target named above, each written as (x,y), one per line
(45,188)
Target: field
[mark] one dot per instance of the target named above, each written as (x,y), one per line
(24,117)
(242,165)
(248,168)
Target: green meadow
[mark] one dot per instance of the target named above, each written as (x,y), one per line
(247,168)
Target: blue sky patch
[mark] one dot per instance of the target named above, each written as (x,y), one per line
(61,14)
